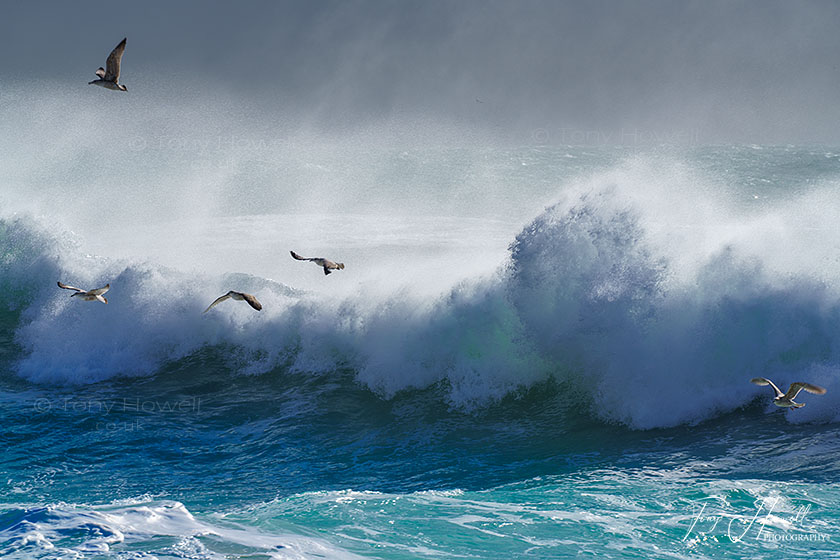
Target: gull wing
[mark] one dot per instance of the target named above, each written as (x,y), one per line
(298,257)
(219,300)
(101,298)
(100,291)
(764,381)
(252,301)
(800,385)
(66,287)
(113,63)
(100,72)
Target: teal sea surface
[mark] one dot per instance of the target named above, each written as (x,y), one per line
(537,351)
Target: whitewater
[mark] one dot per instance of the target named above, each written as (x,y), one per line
(535,350)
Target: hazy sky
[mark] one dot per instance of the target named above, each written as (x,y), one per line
(710,71)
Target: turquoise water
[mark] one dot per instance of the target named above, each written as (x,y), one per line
(534,352)
(197,462)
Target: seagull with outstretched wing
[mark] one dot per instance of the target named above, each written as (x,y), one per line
(786,399)
(238,296)
(109,76)
(88,295)
(327,264)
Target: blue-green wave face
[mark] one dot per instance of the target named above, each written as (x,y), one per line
(531,352)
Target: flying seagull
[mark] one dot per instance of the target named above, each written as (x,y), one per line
(238,296)
(328,265)
(786,399)
(88,295)
(110,75)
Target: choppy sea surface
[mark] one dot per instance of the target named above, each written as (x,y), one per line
(533,351)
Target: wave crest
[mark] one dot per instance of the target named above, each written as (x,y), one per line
(647,330)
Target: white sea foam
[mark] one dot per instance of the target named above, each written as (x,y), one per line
(162,529)
(648,513)
(653,287)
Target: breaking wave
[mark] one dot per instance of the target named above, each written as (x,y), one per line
(652,306)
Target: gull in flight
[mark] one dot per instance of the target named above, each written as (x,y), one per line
(328,265)
(238,296)
(110,75)
(786,399)
(88,295)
